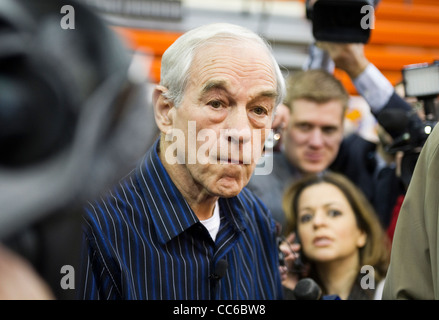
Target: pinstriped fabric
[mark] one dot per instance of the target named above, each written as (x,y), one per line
(143,241)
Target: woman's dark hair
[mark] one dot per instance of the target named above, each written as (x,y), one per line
(377,248)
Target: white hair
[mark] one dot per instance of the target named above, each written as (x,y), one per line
(177,59)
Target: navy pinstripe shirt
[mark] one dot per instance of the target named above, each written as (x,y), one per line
(143,241)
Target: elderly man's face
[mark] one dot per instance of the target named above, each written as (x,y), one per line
(228,106)
(314,134)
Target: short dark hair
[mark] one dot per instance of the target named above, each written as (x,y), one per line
(316,85)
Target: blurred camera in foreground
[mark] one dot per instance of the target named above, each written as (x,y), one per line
(74,118)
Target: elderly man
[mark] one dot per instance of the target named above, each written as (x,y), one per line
(182,225)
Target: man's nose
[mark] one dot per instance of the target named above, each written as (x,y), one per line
(316,138)
(238,128)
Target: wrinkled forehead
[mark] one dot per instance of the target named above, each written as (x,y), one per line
(245,60)
(232,41)
(223,45)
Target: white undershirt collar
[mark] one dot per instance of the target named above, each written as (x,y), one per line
(213,223)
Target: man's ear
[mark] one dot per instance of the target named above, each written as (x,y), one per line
(162,108)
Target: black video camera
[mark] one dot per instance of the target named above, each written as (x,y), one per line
(73,120)
(421,81)
(346,21)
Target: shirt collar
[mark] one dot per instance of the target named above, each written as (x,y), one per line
(170,212)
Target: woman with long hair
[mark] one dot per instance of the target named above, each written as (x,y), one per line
(339,234)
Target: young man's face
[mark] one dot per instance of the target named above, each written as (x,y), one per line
(314,134)
(228,106)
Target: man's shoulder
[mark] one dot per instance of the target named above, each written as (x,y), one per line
(126,193)
(114,200)
(248,195)
(253,205)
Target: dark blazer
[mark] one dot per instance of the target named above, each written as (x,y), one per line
(356,159)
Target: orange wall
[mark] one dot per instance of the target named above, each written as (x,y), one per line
(154,42)
(404,34)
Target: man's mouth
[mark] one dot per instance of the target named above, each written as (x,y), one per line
(230,161)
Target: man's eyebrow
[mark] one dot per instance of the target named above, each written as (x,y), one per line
(268,94)
(222,85)
(214,84)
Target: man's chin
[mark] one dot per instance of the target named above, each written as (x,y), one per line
(228,188)
(316,168)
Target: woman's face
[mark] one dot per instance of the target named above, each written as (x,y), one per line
(327,226)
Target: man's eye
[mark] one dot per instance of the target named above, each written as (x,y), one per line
(304,127)
(215,104)
(329,130)
(260,110)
